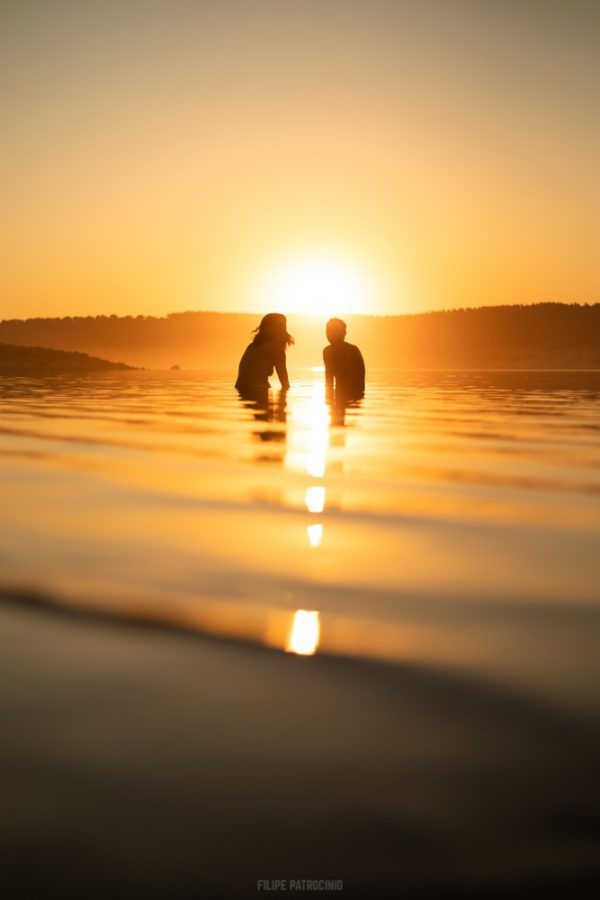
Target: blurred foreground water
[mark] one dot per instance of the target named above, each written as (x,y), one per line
(450,519)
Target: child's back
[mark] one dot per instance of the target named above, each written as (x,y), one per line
(344,364)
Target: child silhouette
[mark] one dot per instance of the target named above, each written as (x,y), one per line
(265,353)
(344,364)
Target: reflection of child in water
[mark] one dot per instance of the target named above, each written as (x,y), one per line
(344,365)
(265,353)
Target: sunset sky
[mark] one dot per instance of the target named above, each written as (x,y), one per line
(163,156)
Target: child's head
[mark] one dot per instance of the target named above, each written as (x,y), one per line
(335,331)
(273,327)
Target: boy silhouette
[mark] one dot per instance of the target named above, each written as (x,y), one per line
(344,365)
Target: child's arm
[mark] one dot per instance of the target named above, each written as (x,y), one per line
(281,369)
(328,370)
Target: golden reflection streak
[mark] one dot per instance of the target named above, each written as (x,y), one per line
(308,434)
(314,498)
(304,633)
(315,534)
(319,431)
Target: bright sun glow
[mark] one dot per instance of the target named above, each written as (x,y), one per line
(320,286)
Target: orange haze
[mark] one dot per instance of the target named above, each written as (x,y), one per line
(167,156)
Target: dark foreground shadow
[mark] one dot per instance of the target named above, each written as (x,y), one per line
(143,763)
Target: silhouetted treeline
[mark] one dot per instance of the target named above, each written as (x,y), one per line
(544,335)
(33,361)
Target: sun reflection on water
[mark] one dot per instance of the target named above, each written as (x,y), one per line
(315,534)
(315,498)
(304,633)
(309,431)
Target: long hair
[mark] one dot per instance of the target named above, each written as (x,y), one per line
(271,327)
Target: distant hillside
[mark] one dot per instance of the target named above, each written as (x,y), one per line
(16,360)
(545,335)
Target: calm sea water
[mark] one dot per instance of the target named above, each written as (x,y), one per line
(452,519)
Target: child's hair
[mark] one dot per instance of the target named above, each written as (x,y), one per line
(269,327)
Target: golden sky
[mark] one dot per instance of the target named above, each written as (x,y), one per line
(162,156)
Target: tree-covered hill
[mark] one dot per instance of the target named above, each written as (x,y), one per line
(34,361)
(544,335)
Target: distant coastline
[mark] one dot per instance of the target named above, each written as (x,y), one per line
(32,361)
(538,336)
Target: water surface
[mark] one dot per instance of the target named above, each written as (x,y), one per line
(450,518)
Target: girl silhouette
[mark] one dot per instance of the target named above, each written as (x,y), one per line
(265,353)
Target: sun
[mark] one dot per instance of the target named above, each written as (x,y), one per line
(318,285)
